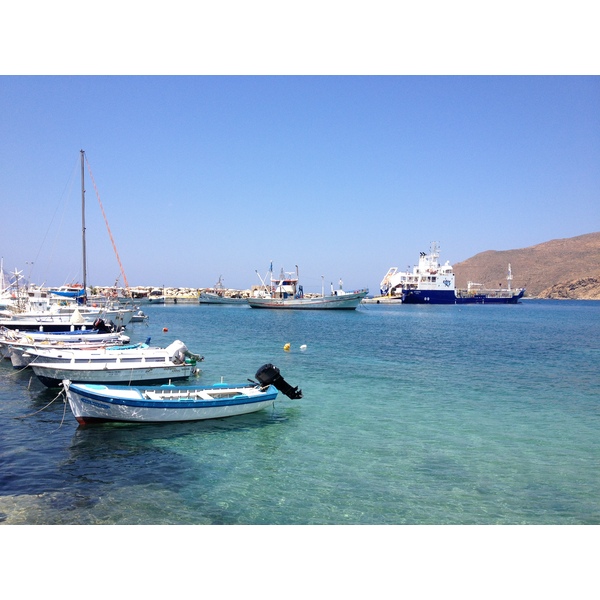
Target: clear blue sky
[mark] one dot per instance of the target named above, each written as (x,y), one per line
(344,176)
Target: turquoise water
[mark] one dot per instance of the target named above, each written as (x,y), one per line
(411,415)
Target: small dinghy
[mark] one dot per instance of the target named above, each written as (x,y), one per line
(93,403)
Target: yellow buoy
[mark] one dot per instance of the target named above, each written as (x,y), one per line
(287,347)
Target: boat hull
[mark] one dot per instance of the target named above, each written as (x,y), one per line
(67,337)
(348,301)
(51,375)
(22,355)
(208,298)
(45,324)
(65,322)
(98,403)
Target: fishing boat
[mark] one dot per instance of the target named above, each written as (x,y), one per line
(286,292)
(432,283)
(129,366)
(100,331)
(93,403)
(22,354)
(56,320)
(14,344)
(218,295)
(139,317)
(48,322)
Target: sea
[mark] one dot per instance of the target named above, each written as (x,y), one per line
(411,415)
(435,450)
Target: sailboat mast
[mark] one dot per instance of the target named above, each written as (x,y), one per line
(83,227)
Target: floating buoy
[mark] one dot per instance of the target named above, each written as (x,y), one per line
(303,347)
(287,347)
(165,329)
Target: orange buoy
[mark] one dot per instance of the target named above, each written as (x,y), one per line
(165,329)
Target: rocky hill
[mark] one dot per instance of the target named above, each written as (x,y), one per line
(564,268)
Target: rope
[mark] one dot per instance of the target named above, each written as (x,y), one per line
(15,372)
(64,409)
(43,407)
(107,226)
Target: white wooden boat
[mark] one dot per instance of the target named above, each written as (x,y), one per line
(219,295)
(48,321)
(139,317)
(214,298)
(128,366)
(100,331)
(22,354)
(93,403)
(55,320)
(90,338)
(285,292)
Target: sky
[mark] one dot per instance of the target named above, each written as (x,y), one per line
(205,175)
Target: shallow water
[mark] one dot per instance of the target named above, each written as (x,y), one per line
(411,415)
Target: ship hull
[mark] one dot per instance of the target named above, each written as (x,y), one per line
(349,301)
(450,297)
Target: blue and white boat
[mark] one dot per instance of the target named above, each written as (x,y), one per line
(92,403)
(432,283)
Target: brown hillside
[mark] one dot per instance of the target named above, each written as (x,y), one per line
(564,268)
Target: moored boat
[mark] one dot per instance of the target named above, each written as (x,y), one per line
(18,345)
(93,403)
(128,366)
(102,335)
(286,292)
(432,283)
(49,322)
(219,295)
(139,317)
(23,354)
(61,320)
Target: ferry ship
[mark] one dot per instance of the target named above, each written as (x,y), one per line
(432,283)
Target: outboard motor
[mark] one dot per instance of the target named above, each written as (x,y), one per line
(177,351)
(269,375)
(103,327)
(180,354)
(97,324)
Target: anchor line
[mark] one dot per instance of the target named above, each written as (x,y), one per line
(43,407)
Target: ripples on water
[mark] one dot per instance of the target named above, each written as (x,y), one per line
(410,415)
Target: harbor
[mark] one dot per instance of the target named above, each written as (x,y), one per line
(421,353)
(409,415)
